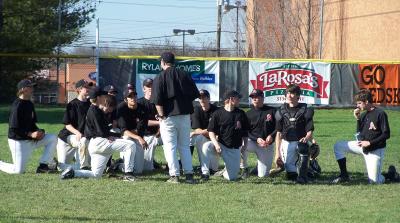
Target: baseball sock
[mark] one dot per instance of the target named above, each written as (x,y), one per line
(342,167)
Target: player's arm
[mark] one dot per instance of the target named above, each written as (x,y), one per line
(153,123)
(75,131)
(309,125)
(214,140)
(278,142)
(136,136)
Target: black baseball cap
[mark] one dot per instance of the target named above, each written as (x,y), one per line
(25,83)
(129,93)
(204,92)
(232,93)
(148,82)
(256,93)
(131,87)
(110,89)
(167,57)
(83,83)
(95,92)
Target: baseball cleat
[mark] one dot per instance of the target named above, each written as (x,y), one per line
(44,168)
(129,177)
(173,180)
(189,179)
(68,173)
(340,179)
(219,173)
(276,171)
(245,173)
(205,177)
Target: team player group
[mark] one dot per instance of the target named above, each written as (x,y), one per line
(96,128)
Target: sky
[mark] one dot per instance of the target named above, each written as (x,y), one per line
(120,21)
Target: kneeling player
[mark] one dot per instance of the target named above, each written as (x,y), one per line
(102,144)
(24,136)
(373,131)
(230,125)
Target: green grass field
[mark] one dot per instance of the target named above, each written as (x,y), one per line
(45,198)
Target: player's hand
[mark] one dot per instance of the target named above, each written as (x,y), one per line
(78,136)
(261,142)
(143,143)
(269,140)
(363,144)
(357,113)
(218,149)
(37,135)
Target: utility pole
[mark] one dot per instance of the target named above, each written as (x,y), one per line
(321,27)
(58,42)
(97,51)
(219,21)
(237,29)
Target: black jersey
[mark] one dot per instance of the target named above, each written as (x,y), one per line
(294,122)
(262,122)
(200,118)
(22,120)
(151,112)
(132,119)
(374,127)
(97,124)
(175,90)
(75,115)
(230,127)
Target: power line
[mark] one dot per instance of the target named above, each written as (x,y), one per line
(158,5)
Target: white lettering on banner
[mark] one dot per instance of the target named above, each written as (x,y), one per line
(190,68)
(270,79)
(150,66)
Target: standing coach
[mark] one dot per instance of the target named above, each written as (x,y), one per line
(173,94)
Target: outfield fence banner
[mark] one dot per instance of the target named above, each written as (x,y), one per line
(273,77)
(204,73)
(383,80)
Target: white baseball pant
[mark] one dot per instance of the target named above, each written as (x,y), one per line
(231,157)
(175,134)
(373,160)
(264,157)
(198,141)
(21,151)
(152,142)
(101,149)
(73,149)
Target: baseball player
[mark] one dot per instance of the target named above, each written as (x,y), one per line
(132,120)
(261,134)
(152,133)
(294,126)
(24,136)
(373,131)
(228,131)
(71,140)
(173,93)
(200,120)
(102,143)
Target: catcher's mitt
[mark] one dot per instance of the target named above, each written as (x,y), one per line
(314,150)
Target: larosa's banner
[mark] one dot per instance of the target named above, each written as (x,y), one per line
(273,77)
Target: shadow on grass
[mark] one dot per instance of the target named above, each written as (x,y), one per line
(68,218)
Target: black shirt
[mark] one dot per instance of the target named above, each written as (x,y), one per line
(175,90)
(151,112)
(294,131)
(22,120)
(374,127)
(75,115)
(132,119)
(230,127)
(262,122)
(96,123)
(200,118)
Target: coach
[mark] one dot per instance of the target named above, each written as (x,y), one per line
(173,94)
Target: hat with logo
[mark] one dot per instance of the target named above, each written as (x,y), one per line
(256,93)
(110,89)
(204,92)
(83,83)
(95,92)
(167,57)
(231,94)
(129,93)
(25,83)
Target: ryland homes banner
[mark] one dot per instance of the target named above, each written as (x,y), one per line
(204,73)
(273,77)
